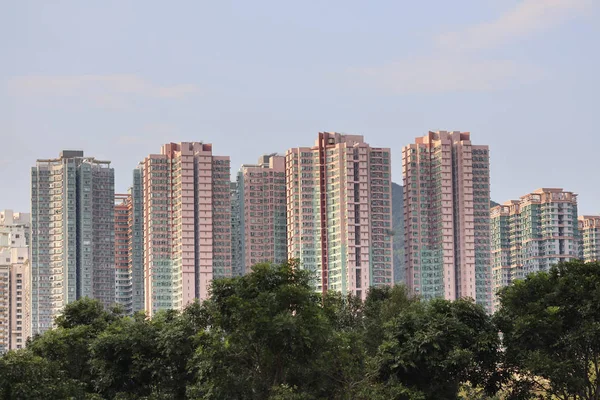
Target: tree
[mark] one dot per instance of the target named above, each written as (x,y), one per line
(550,324)
(382,305)
(177,341)
(124,358)
(67,346)
(347,359)
(269,335)
(87,312)
(24,375)
(434,347)
(342,361)
(141,358)
(267,329)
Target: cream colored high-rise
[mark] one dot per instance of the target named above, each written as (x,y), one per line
(339,212)
(589,231)
(532,234)
(15,289)
(446,217)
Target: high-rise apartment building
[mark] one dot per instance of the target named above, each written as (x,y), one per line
(260,226)
(446,217)
(236,232)
(505,248)
(532,234)
(136,241)
(339,212)
(129,268)
(123,294)
(72,246)
(589,233)
(186,217)
(15,291)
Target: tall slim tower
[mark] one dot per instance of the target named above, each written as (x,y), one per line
(339,212)
(136,241)
(237,268)
(261,208)
(186,213)
(447,217)
(532,234)
(129,268)
(123,289)
(72,249)
(15,288)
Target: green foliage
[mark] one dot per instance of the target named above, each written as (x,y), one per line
(468,392)
(382,305)
(67,346)
(24,375)
(285,392)
(268,329)
(551,332)
(124,358)
(266,335)
(435,347)
(87,312)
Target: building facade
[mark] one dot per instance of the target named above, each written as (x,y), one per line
(129,267)
(15,290)
(589,232)
(260,224)
(339,217)
(532,234)
(446,217)
(505,239)
(123,293)
(136,242)
(186,217)
(236,232)
(72,246)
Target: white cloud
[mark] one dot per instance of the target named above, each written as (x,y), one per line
(446,74)
(453,63)
(528,17)
(109,91)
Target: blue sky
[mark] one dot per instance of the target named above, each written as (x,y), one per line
(119,78)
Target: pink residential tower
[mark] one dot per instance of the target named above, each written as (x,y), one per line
(259,217)
(447,217)
(123,290)
(186,224)
(339,215)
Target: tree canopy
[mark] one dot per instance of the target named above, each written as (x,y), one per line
(269,335)
(551,332)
